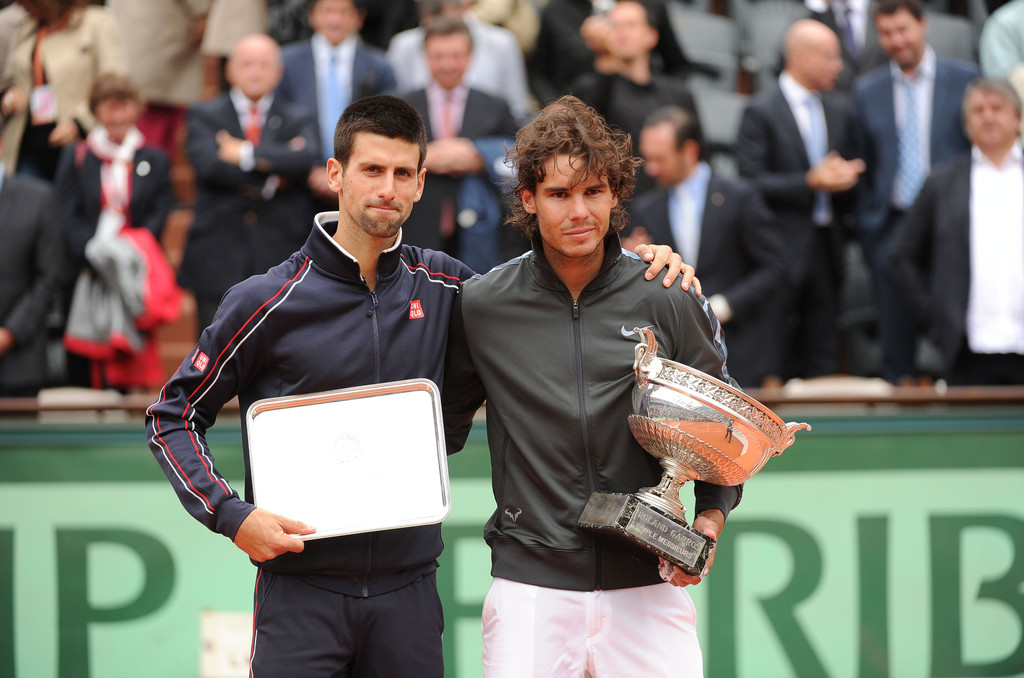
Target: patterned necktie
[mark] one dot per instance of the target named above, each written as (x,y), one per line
(333,105)
(848,36)
(910,169)
(253,126)
(817,149)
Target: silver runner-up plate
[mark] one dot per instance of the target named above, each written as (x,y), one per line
(352,460)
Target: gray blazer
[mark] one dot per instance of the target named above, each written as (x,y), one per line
(31,270)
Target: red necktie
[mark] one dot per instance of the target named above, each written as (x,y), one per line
(254,129)
(447,132)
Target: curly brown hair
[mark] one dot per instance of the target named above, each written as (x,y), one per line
(570,127)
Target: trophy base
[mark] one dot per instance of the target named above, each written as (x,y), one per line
(625,516)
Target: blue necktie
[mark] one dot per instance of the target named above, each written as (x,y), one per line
(817,149)
(910,169)
(334,102)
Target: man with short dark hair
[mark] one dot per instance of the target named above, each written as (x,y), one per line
(467,131)
(908,120)
(327,71)
(722,225)
(970,214)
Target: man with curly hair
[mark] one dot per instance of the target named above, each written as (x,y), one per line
(548,340)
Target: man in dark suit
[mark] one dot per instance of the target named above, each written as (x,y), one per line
(330,70)
(31,270)
(793,143)
(467,131)
(899,150)
(252,204)
(970,213)
(623,87)
(724,227)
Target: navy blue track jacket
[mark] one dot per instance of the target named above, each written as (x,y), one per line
(310,324)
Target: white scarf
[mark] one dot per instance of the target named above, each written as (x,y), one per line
(115,177)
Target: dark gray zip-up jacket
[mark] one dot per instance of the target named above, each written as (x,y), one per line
(557,376)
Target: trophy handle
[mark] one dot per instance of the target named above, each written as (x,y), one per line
(644,354)
(791,429)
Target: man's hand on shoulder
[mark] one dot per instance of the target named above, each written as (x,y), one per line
(265,535)
(661,256)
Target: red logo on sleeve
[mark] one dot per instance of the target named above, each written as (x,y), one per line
(415,309)
(201,361)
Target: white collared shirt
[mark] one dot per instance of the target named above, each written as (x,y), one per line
(995,304)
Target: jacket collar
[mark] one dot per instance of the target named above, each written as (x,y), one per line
(336,261)
(547,277)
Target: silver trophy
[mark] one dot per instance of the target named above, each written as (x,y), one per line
(699,428)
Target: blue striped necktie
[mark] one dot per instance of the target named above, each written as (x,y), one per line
(910,169)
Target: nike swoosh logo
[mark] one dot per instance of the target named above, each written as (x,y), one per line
(632,333)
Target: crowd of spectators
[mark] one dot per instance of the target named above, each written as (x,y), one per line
(815,240)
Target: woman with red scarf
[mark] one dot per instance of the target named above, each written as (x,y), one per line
(115,198)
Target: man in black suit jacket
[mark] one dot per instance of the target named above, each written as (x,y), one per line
(971,211)
(724,227)
(793,142)
(31,270)
(624,87)
(467,131)
(252,204)
(362,70)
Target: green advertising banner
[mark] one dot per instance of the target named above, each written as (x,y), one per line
(875,546)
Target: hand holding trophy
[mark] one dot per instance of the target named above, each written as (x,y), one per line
(699,428)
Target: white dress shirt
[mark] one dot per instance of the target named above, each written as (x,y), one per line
(995,305)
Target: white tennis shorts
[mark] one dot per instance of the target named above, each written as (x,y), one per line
(648,631)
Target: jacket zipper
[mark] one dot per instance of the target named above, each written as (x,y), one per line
(591,480)
(372,313)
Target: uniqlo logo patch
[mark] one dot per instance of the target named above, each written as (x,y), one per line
(415,309)
(201,361)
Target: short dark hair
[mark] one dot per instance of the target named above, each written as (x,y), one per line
(570,127)
(890,7)
(447,25)
(383,114)
(115,86)
(685,124)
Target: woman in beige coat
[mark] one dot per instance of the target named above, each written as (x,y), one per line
(54,57)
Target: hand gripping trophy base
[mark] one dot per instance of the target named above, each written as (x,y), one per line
(699,428)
